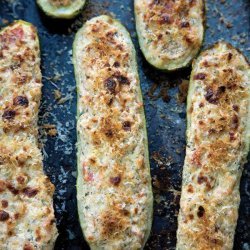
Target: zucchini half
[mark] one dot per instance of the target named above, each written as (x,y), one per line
(218,137)
(114,192)
(64,9)
(26,215)
(170,33)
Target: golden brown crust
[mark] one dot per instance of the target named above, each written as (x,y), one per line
(217,147)
(114,189)
(26,215)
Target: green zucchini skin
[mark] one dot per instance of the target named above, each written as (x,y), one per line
(218,138)
(61,12)
(113,230)
(170,42)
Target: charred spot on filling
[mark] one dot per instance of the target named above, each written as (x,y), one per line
(201,105)
(53,221)
(200,76)
(110,101)
(116,64)
(4,203)
(201,123)
(30,192)
(111,82)
(126,125)
(21,159)
(165,19)
(110,35)
(18,59)
(188,39)
(229,56)
(10,233)
(232,136)
(109,133)
(115,180)
(221,89)
(212,131)
(4,215)
(9,115)
(185,24)
(21,101)
(213,96)
(120,47)
(204,179)
(235,122)
(159,36)
(205,64)
(201,211)
(92,160)
(16,216)
(236,108)
(123,80)
(136,210)
(20,179)
(209,96)
(110,85)
(15,65)
(126,212)
(12,189)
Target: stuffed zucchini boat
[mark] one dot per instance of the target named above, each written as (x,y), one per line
(114,185)
(27,218)
(170,33)
(218,132)
(65,9)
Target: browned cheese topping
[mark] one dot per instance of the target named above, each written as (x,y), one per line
(217,147)
(114,189)
(26,211)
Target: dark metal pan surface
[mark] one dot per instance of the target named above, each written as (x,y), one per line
(164,97)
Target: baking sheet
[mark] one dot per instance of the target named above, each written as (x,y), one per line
(164,106)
